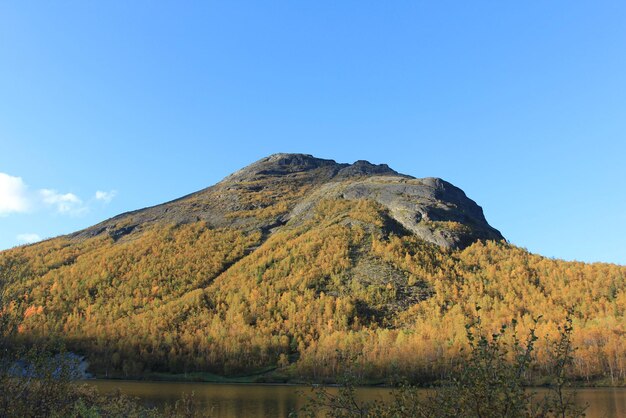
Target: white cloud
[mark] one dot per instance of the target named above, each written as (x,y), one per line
(67,203)
(28,238)
(16,197)
(13,195)
(106,197)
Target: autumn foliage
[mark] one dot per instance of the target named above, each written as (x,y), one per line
(181,298)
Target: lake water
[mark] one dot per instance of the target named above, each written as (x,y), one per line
(230,401)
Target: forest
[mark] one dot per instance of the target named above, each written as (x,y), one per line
(183,298)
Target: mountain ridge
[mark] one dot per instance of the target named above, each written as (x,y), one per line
(441,201)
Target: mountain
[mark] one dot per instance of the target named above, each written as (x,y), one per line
(283,188)
(289,265)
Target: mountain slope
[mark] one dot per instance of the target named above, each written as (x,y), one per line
(295,262)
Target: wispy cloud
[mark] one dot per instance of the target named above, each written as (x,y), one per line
(28,238)
(67,203)
(17,197)
(105,197)
(13,195)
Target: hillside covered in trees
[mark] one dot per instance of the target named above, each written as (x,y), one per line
(295,264)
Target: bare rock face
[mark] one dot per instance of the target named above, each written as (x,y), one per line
(288,186)
(431,208)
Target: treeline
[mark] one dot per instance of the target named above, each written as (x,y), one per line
(190,298)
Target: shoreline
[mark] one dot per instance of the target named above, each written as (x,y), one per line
(248,380)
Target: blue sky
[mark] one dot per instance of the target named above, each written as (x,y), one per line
(112,106)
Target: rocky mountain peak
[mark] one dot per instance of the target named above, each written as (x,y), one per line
(365,168)
(283,189)
(282,164)
(279,165)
